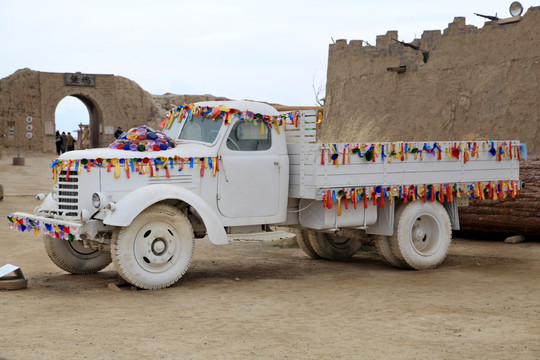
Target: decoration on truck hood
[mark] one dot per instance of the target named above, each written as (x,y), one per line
(359,196)
(141,166)
(186,112)
(401,151)
(56,231)
(143,138)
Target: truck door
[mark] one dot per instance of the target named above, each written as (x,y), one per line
(248,180)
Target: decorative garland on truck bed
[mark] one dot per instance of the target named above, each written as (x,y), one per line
(423,192)
(401,151)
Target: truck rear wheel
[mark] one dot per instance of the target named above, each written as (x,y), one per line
(73,257)
(155,250)
(382,244)
(302,238)
(333,247)
(422,235)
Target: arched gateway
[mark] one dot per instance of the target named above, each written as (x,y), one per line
(28,100)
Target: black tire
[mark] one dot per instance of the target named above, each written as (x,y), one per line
(422,234)
(73,257)
(333,247)
(302,238)
(382,244)
(155,250)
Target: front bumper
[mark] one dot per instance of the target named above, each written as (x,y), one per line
(56,228)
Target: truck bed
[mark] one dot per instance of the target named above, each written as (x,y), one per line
(317,167)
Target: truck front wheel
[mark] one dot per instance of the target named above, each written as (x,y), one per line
(155,250)
(73,257)
(333,247)
(422,234)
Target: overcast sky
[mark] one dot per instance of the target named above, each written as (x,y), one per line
(272,51)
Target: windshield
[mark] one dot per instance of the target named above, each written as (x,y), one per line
(201,129)
(172,131)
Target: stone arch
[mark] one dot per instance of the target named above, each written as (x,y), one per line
(32,96)
(97,105)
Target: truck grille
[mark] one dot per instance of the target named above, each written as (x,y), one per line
(68,193)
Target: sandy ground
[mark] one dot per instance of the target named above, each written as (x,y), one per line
(260,300)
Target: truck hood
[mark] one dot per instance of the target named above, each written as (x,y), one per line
(182,150)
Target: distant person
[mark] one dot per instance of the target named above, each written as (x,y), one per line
(118,132)
(58,142)
(64,142)
(70,142)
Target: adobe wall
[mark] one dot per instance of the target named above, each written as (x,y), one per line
(477,84)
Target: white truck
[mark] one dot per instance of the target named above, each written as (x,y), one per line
(222,168)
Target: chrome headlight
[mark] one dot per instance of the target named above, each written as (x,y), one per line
(98,200)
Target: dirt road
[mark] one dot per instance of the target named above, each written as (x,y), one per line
(257,300)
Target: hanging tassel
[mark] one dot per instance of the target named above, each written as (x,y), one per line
(365,199)
(329,202)
(116,169)
(68,170)
(202,167)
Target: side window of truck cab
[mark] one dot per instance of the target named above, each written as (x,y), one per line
(249,136)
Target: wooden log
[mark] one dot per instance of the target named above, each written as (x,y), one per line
(520,215)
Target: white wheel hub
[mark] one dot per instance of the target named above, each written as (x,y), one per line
(158,246)
(154,247)
(424,235)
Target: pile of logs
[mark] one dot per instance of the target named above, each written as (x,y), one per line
(512,216)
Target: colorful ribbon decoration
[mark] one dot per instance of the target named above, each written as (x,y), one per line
(186,112)
(372,152)
(423,192)
(141,166)
(56,231)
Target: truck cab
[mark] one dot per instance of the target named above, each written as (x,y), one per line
(251,186)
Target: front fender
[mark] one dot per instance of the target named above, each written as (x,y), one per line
(137,201)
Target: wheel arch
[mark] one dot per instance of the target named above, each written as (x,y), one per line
(131,205)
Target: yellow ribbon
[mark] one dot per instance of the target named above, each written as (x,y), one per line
(116,168)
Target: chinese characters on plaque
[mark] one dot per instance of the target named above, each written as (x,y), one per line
(78,79)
